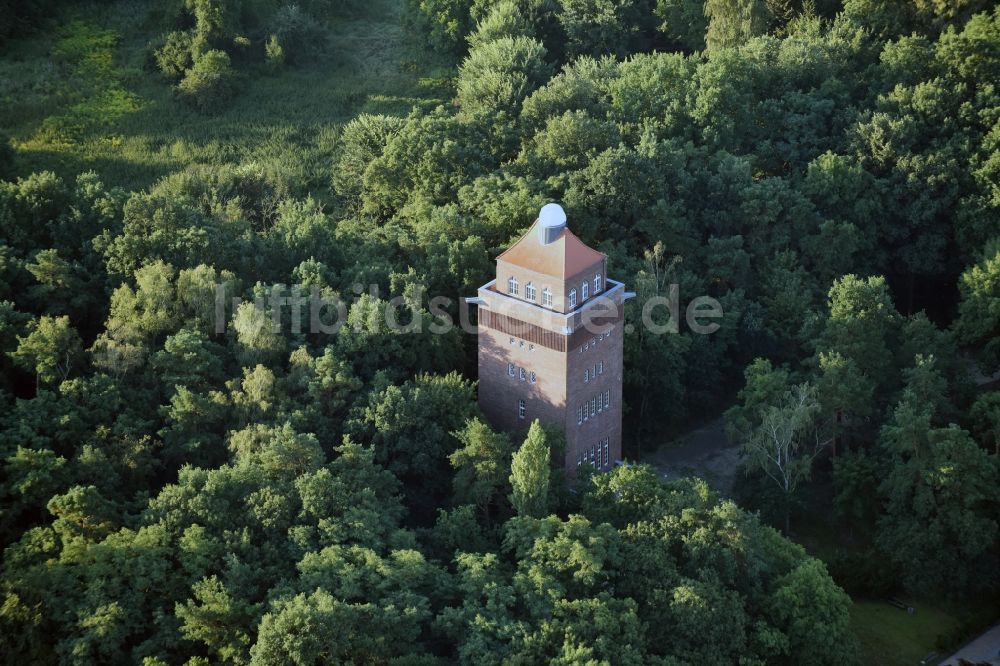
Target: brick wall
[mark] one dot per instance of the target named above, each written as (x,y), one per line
(499,392)
(559,389)
(608,421)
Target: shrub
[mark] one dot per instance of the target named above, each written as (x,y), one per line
(444,24)
(504,20)
(298,35)
(174,57)
(273,52)
(210,82)
(498,75)
(363,140)
(596,27)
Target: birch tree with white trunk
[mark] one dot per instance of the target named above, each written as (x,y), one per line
(786,441)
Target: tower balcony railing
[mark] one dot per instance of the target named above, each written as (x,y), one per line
(595,311)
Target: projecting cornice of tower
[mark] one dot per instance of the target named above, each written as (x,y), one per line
(550,248)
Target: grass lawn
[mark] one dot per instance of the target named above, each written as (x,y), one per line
(77,97)
(886,635)
(889,636)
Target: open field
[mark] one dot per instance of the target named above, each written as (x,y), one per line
(77,97)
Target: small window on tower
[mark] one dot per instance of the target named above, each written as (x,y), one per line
(522,374)
(529,292)
(520,409)
(607,398)
(572,298)
(547,297)
(512,286)
(532,378)
(600,367)
(510,369)
(579,415)
(586,375)
(593,405)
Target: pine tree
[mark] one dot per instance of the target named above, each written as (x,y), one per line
(529,475)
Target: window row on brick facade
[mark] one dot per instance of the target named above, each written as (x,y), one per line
(585,291)
(598,457)
(592,373)
(591,408)
(593,341)
(521,373)
(520,343)
(530,291)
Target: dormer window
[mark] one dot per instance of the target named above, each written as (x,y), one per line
(586,289)
(547,297)
(597,284)
(529,292)
(512,286)
(572,298)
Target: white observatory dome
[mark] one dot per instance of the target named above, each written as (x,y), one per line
(551,222)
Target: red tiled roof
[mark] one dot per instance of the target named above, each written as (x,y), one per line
(563,258)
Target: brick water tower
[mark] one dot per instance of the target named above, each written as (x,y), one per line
(550,342)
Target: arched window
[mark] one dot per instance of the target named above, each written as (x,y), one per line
(512,286)
(572,298)
(597,284)
(586,288)
(520,409)
(547,297)
(529,292)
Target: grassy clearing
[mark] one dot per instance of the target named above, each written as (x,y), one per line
(886,635)
(889,636)
(78,98)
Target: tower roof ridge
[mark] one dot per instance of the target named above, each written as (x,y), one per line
(562,258)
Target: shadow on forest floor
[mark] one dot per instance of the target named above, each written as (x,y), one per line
(704,452)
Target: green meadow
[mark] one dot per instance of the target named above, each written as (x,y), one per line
(82,96)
